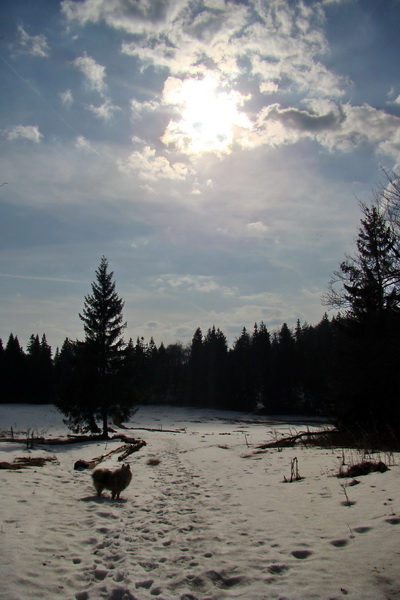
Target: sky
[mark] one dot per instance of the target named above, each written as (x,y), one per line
(215,151)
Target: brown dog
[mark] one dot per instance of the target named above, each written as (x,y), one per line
(115,481)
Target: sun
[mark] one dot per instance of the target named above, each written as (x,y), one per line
(210,118)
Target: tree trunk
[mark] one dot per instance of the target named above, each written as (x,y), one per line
(105,422)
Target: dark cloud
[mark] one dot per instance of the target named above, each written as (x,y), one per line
(306,121)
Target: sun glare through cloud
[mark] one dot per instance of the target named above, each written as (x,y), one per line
(221,145)
(209,117)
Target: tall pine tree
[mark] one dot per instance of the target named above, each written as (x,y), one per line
(366,382)
(98,362)
(368,281)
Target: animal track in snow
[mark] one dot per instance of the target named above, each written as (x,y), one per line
(277,569)
(393,521)
(362,529)
(146,584)
(339,543)
(301,554)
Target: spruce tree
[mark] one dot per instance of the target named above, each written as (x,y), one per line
(285,367)
(366,380)
(368,282)
(196,371)
(97,372)
(39,370)
(15,371)
(242,376)
(261,351)
(102,318)
(216,372)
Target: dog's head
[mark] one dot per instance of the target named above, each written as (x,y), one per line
(126,467)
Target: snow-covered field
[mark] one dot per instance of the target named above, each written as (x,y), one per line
(213,520)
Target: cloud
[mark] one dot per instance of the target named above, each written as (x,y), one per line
(257,229)
(391,147)
(39,278)
(362,125)
(278,44)
(281,44)
(338,128)
(35,45)
(66,97)
(268,87)
(302,120)
(327,2)
(24,132)
(275,126)
(105,111)
(81,143)
(129,16)
(192,283)
(139,108)
(191,39)
(151,167)
(93,72)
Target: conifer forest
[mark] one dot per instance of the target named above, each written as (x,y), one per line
(345,367)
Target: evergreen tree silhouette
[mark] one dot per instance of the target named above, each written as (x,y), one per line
(366,380)
(96,372)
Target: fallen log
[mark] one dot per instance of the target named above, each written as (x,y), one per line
(130,449)
(34,441)
(24,462)
(90,464)
(160,430)
(123,450)
(291,440)
(128,440)
(71,439)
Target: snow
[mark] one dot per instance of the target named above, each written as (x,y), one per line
(213,520)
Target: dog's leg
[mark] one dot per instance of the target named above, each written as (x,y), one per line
(99,489)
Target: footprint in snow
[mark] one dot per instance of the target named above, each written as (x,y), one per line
(106,515)
(100,574)
(121,593)
(362,529)
(301,554)
(148,566)
(221,581)
(393,521)
(277,569)
(102,530)
(339,543)
(145,584)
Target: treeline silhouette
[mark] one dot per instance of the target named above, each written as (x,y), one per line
(27,376)
(287,371)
